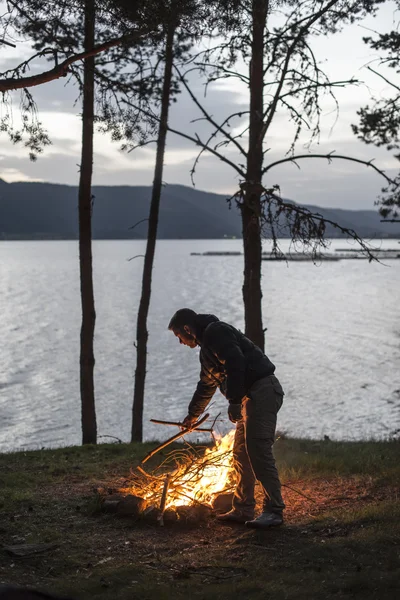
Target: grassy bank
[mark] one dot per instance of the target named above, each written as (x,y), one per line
(341,538)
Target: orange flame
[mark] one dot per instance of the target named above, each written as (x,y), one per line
(198,481)
(216,471)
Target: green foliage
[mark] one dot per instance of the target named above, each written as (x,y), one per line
(290,83)
(380,122)
(307,458)
(133,68)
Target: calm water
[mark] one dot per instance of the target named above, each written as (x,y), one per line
(333,332)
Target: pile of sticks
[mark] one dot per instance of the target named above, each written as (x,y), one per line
(180,470)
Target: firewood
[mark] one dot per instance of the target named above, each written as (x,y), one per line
(164,499)
(131,506)
(193,478)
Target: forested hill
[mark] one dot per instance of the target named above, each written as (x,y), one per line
(32,210)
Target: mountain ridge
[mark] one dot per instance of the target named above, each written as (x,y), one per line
(40,210)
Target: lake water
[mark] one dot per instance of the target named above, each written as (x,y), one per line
(333,333)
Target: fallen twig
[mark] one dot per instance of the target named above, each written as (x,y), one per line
(298,492)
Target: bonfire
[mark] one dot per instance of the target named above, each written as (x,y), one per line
(188,477)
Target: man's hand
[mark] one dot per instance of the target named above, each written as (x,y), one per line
(188,422)
(235,412)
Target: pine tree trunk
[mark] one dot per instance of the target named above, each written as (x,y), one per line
(251,206)
(89,427)
(141,327)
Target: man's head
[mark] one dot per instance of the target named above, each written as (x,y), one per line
(183,324)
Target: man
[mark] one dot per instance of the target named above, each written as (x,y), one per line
(230,361)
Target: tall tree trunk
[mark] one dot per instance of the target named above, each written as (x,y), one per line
(89,427)
(141,327)
(251,206)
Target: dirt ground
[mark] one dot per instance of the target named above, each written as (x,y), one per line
(341,539)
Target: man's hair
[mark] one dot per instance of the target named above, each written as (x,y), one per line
(182,317)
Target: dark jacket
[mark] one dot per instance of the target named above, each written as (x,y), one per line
(229,360)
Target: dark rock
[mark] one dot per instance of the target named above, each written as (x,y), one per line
(131,506)
(201,512)
(183,513)
(170,516)
(114,498)
(223,502)
(151,514)
(110,506)
(193,514)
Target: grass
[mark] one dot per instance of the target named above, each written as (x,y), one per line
(341,538)
(307,457)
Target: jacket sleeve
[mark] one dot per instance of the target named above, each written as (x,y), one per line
(226,347)
(204,392)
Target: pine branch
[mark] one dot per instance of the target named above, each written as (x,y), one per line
(195,139)
(61,70)
(290,52)
(320,84)
(396,87)
(309,217)
(208,117)
(329,157)
(8,43)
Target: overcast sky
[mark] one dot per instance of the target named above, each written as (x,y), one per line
(341,184)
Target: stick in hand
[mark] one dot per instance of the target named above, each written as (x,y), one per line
(177,424)
(194,427)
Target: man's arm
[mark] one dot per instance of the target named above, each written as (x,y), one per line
(204,392)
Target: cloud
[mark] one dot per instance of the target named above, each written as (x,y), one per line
(340,184)
(11,174)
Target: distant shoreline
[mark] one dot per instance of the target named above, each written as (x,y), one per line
(59,238)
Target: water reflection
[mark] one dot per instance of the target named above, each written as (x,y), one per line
(332,330)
